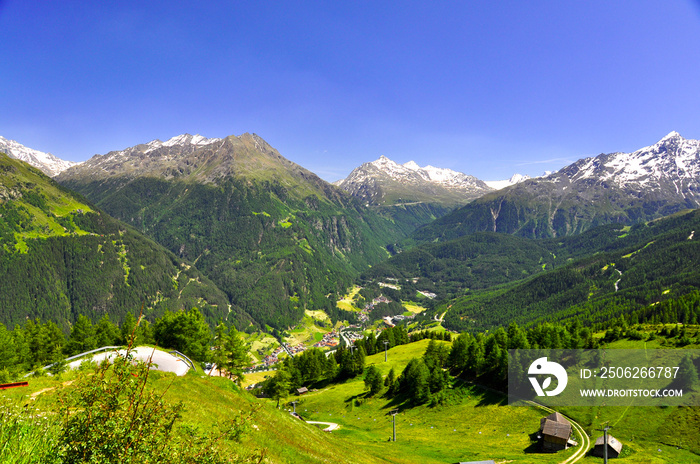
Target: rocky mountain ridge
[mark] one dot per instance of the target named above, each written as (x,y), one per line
(648,183)
(49,164)
(385,182)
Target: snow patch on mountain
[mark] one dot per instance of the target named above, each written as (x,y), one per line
(46,162)
(500,184)
(410,170)
(181,140)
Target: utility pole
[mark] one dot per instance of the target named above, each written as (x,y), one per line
(393,420)
(605,442)
(386,342)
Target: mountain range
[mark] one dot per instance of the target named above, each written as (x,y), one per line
(625,188)
(272,235)
(277,240)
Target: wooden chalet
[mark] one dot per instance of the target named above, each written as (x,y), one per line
(614,447)
(555,432)
(302,390)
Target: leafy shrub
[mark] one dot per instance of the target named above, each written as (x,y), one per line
(112,416)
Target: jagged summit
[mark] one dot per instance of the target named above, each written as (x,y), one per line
(185,139)
(46,162)
(384,181)
(671,135)
(671,163)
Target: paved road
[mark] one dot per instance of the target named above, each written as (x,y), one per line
(162,360)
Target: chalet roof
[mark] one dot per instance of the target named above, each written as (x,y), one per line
(302,390)
(612,442)
(556,429)
(554,417)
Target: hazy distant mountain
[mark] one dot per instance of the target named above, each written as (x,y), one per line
(499,184)
(384,182)
(618,187)
(48,163)
(271,234)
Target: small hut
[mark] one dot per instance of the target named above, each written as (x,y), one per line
(614,447)
(555,431)
(302,391)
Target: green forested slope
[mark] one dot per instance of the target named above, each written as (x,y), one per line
(642,266)
(61,257)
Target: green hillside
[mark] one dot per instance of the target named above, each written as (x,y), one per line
(642,266)
(62,257)
(209,404)
(475,423)
(474,262)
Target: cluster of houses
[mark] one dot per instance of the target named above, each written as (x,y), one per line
(555,434)
(330,340)
(296,349)
(364,312)
(270,359)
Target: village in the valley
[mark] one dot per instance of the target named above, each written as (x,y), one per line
(338,336)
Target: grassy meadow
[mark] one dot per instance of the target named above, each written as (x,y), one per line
(477,424)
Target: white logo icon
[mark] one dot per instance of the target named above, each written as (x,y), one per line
(542,366)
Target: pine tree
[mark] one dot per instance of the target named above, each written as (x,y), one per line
(237,359)
(373,380)
(390,382)
(106,332)
(82,337)
(218,355)
(687,374)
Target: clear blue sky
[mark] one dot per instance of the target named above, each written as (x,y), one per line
(488,88)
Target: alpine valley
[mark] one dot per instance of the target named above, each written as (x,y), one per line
(239,256)
(274,240)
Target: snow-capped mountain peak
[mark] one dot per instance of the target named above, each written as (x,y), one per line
(514,179)
(671,135)
(382,178)
(671,162)
(181,140)
(46,162)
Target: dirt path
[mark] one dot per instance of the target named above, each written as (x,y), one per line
(330,425)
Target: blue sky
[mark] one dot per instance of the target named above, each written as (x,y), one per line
(489,88)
